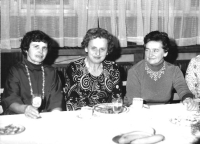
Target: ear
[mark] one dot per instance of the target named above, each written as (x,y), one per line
(86,50)
(165,54)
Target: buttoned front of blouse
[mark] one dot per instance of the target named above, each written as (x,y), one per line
(84,89)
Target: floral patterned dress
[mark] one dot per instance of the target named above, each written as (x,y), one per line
(193,76)
(84,89)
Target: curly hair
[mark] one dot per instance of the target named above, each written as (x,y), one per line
(34,36)
(98,33)
(158,36)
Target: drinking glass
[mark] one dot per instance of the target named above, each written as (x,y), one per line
(137,103)
(36,100)
(117,105)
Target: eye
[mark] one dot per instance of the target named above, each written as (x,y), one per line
(156,50)
(44,48)
(93,48)
(103,49)
(36,46)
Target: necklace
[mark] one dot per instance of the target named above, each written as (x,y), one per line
(155,75)
(29,79)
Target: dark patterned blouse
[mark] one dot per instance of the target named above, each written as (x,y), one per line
(84,89)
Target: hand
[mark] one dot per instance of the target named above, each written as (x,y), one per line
(56,110)
(191,104)
(197,95)
(31,112)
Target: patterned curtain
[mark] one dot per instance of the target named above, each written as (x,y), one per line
(67,21)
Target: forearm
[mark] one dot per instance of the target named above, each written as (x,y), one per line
(180,85)
(17,108)
(56,101)
(133,87)
(57,109)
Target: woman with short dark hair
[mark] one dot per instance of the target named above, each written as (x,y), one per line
(153,78)
(32,77)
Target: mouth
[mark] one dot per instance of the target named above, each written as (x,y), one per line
(39,56)
(151,58)
(97,57)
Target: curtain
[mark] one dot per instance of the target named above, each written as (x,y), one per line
(67,21)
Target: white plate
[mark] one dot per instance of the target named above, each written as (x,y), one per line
(136,132)
(11,129)
(107,108)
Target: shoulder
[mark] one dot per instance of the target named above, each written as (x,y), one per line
(16,71)
(17,67)
(50,70)
(195,60)
(138,66)
(76,66)
(110,64)
(172,69)
(171,66)
(77,62)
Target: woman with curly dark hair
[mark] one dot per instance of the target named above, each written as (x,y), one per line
(31,86)
(92,79)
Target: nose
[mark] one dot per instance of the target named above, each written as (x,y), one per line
(151,53)
(97,52)
(41,50)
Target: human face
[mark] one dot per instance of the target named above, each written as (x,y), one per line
(154,53)
(97,50)
(37,52)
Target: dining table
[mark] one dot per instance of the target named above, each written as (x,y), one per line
(71,127)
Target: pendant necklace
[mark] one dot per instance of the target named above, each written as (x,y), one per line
(29,79)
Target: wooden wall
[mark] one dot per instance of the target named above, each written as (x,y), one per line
(9,58)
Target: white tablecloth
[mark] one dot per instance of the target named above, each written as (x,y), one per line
(68,128)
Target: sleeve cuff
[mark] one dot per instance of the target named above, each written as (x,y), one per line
(188,95)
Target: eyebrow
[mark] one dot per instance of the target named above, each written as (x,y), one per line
(34,44)
(152,48)
(38,45)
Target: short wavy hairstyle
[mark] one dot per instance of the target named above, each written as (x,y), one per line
(98,33)
(158,36)
(34,36)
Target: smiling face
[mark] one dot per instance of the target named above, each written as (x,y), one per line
(154,53)
(97,50)
(37,52)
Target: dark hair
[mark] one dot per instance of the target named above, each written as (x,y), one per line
(158,36)
(34,36)
(98,33)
